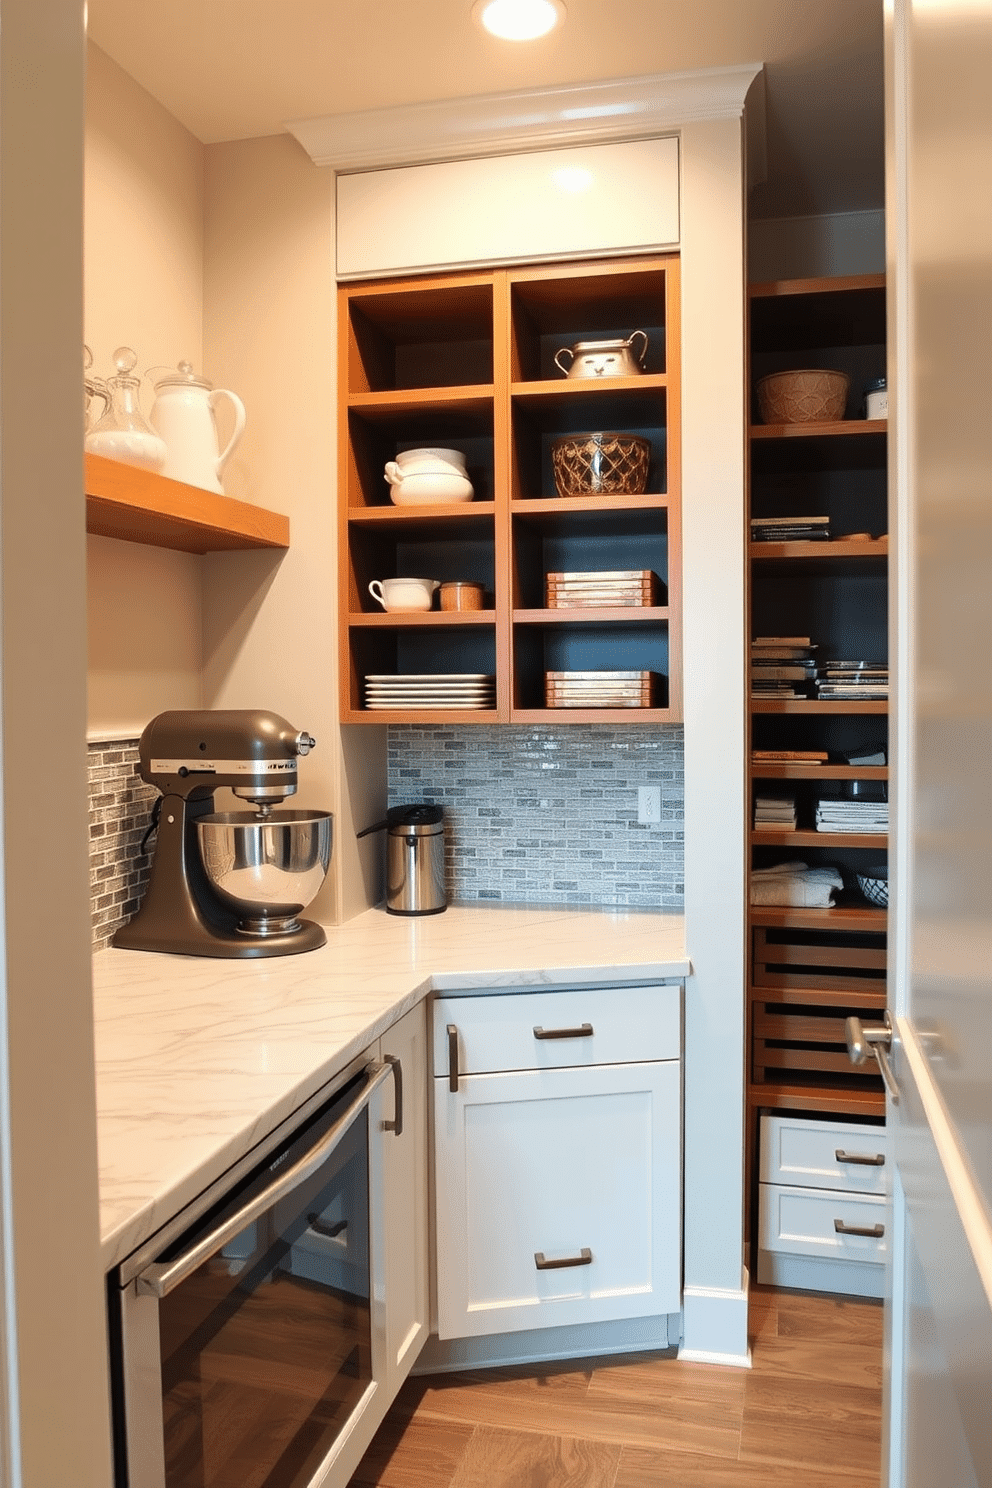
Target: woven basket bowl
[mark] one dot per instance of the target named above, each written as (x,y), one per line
(875,886)
(600,464)
(810,397)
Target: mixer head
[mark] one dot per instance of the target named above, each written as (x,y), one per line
(254,752)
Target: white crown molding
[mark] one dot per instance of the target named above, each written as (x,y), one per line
(532,119)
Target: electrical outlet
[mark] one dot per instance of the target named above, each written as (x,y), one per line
(648,804)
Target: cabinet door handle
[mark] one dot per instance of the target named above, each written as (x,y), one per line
(872,1232)
(862,1159)
(396,1125)
(583,1031)
(452,1056)
(584,1258)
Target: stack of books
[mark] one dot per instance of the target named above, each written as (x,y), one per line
(852,816)
(602,689)
(604,589)
(775,813)
(852,681)
(790,529)
(782,666)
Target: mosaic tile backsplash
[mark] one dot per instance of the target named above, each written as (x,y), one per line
(120,806)
(548,814)
(533,815)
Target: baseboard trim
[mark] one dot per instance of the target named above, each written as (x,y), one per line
(548,1345)
(714,1327)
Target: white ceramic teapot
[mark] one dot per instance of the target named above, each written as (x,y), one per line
(183,413)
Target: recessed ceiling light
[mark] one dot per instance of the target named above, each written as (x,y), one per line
(518,20)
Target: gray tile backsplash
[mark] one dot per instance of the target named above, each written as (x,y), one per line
(120,806)
(548,814)
(533,815)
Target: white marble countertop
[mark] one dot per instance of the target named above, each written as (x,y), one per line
(198,1059)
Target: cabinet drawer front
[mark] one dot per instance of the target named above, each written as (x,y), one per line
(804,1221)
(824,1154)
(552,1030)
(558,1198)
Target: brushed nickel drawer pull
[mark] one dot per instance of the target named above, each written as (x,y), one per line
(871,1232)
(584,1258)
(453,1057)
(862,1159)
(583,1031)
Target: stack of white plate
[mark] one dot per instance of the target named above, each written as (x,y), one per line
(430,690)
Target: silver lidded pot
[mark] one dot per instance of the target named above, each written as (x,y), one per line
(414,859)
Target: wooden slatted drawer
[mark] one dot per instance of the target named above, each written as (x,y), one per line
(804,986)
(553,1030)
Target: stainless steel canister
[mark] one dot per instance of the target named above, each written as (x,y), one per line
(415,860)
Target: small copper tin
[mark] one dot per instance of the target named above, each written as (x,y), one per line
(462,594)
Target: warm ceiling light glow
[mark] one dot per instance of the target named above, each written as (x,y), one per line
(519,20)
(573,178)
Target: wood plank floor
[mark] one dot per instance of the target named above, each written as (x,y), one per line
(807,1415)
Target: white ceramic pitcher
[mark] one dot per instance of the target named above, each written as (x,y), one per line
(183,414)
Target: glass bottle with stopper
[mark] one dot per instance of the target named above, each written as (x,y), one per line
(123,433)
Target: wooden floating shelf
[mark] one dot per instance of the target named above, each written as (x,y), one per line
(877,547)
(785,917)
(797,770)
(421,619)
(587,615)
(816,705)
(841,429)
(819,839)
(135,505)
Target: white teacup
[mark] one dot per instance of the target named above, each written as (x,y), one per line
(404,594)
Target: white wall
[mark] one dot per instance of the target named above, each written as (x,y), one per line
(714,652)
(143,288)
(53,1381)
(270,621)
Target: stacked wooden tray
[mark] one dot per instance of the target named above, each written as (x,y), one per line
(605,589)
(602,689)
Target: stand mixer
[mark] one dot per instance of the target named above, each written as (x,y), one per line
(228,883)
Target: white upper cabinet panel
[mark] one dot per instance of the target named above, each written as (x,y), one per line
(549,204)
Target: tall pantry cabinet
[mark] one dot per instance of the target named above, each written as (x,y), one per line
(815,1122)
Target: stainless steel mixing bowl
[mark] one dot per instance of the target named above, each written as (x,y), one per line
(267,869)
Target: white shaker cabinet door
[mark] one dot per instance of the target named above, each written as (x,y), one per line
(558,1197)
(405,1182)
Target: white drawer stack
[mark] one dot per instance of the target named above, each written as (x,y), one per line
(558,1158)
(822,1217)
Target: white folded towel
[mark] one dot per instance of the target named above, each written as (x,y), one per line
(795,886)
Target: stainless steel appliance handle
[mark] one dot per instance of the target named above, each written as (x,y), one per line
(584,1030)
(159,1279)
(396,1125)
(863,1040)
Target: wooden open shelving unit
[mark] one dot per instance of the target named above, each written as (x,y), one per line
(136,505)
(808,969)
(466,361)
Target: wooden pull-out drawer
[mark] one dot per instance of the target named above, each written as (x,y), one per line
(810,1222)
(553,1030)
(824,1154)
